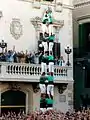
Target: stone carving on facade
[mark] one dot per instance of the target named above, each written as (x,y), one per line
(14,86)
(37,4)
(62,87)
(58,6)
(16,28)
(37,23)
(70,87)
(62,98)
(35,87)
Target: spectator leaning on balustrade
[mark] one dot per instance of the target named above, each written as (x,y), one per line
(26,57)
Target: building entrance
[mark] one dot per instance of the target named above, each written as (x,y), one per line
(14,101)
(84,37)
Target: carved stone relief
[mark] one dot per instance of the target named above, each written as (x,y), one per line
(16,28)
(58,6)
(37,23)
(62,98)
(37,4)
(70,86)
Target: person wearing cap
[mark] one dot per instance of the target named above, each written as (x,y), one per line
(44,63)
(45,18)
(49,102)
(50,18)
(51,63)
(42,86)
(43,102)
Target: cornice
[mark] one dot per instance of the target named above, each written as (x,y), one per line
(82,3)
(50,4)
(83,19)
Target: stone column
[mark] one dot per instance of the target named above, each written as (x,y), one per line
(36,100)
(27,103)
(70,95)
(36,22)
(57,29)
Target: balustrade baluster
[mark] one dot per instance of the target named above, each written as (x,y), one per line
(32,70)
(11,69)
(25,70)
(28,70)
(62,72)
(7,69)
(14,70)
(59,72)
(19,69)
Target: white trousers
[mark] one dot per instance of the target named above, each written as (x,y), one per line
(42,88)
(50,108)
(50,46)
(45,46)
(51,67)
(51,29)
(50,90)
(47,29)
(43,67)
(43,109)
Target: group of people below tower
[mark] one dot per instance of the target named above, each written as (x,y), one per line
(47,91)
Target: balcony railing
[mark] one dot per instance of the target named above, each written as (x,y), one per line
(31,72)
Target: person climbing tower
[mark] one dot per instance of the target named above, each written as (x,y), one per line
(51,63)
(44,63)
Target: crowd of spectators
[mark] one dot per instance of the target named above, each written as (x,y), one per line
(25,57)
(13,116)
(48,115)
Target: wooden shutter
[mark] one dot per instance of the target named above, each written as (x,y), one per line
(56,50)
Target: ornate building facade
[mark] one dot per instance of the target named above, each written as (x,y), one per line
(20,28)
(81,20)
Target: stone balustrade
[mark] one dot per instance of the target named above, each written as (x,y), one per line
(31,72)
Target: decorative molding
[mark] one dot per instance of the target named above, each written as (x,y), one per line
(14,86)
(58,6)
(62,98)
(37,21)
(62,87)
(36,87)
(37,4)
(83,19)
(70,86)
(81,3)
(70,102)
(16,28)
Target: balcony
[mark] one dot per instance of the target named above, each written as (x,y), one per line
(23,72)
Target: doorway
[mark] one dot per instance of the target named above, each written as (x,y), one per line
(14,101)
(84,37)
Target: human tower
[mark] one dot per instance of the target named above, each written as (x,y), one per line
(47,62)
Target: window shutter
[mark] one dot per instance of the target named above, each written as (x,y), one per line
(56,50)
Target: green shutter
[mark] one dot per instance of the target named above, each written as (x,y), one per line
(82,37)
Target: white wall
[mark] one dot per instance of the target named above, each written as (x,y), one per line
(64,105)
(24,11)
(80,15)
